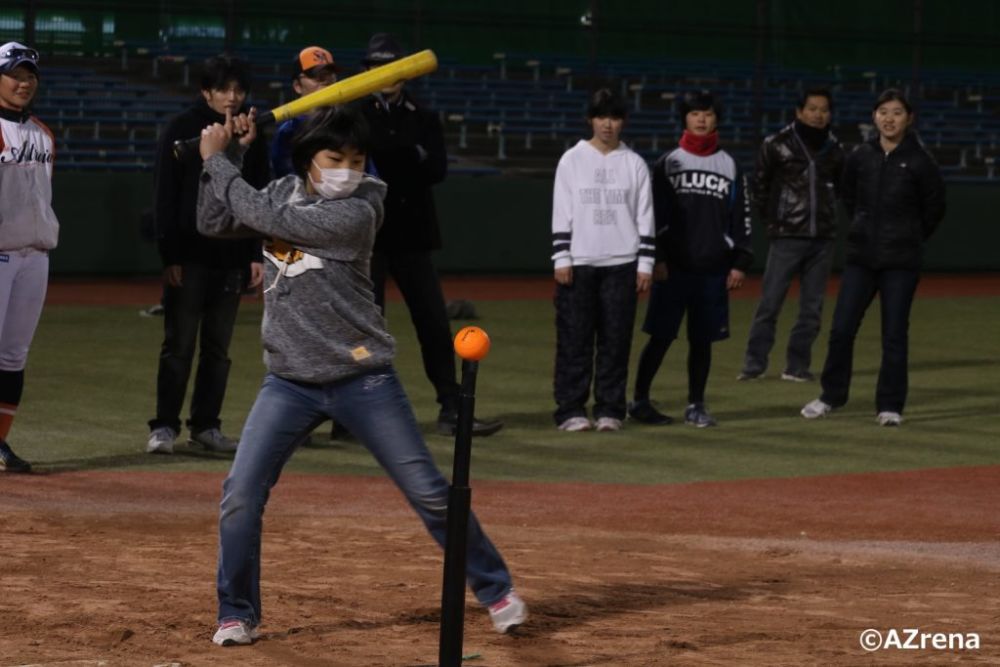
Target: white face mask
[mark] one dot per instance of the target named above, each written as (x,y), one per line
(336,183)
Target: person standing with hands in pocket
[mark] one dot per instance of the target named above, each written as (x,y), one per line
(408,152)
(795,193)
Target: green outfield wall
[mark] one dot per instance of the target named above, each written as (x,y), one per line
(491,224)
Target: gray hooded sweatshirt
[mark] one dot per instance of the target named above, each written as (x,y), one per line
(320,323)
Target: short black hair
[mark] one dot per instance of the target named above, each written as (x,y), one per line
(218,71)
(605,104)
(893,95)
(815,92)
(331,129)
(698,100)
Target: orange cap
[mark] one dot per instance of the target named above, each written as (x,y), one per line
(312,57)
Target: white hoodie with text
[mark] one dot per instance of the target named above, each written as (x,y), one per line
(602,209)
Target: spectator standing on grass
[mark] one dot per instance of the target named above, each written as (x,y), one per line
(895,197)
(203,277)
(29,229)
(409,154)
(702,252)
(602,249)
(798,171)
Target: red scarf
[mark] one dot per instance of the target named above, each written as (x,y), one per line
(703,145)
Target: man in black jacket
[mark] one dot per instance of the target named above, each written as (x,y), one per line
(795,195)
(409,154)
(203,277)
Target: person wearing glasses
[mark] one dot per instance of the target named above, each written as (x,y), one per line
(29,229)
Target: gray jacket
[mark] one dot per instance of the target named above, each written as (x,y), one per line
(320,323)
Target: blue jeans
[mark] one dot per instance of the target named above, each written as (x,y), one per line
(373,407)
(858,286)
(810,260)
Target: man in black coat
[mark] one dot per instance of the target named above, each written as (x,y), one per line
(409,154)
(795,195)
(203,278)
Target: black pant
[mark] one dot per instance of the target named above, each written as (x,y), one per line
(595,313)
(418,282)
(858,286)
(207,300)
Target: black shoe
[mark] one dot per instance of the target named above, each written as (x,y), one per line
(644,412)
(11,462)
(447,424)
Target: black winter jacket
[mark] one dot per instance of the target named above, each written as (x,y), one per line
(797,196)
(176,197)
(408,152)
(895,201)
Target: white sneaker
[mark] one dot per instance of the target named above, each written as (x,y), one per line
(161,440)
(609,424)
(213,440)
(889,419)
(816,408)
(234,633)
(576,424)
(508,613)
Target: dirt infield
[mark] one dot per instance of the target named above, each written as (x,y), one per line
(146,291)
(117,568)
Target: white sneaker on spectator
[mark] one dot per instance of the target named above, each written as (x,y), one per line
(508,613)
(889,419)
(609,424)
(816,408)
(161,440)
(234,633)
(213,440)
(574,424)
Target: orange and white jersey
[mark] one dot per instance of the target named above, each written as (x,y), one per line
(27,153)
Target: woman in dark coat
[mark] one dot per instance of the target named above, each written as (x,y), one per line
(894,194)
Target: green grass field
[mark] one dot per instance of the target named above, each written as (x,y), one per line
(91,379)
